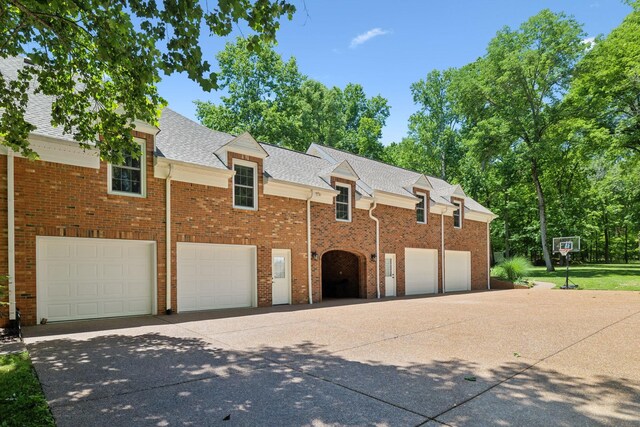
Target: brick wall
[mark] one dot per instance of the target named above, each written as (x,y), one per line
(61,200)
(357,237)
(53,199)
(205,214)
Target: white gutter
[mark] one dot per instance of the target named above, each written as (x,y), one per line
(442,244)
(488,257)
(168,259)
(375,203)
(309,247)
(11,234)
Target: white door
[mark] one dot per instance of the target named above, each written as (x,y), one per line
(214,276)
(420,271)
(281,276)
(78,278)
(390,275)
(457,266)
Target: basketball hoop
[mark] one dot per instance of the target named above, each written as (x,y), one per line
(564,251)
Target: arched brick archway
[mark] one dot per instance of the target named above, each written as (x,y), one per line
(343,275)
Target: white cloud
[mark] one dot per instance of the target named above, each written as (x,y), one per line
(365,37)
(590,42)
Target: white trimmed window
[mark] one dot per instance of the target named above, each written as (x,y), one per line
(245,181)
(421,208)
(129,178)
(457,215)
(343,203)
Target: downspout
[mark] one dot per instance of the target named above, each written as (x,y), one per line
(309,247)
(442,245)
(488,257)
(375,203)
(168,260)
(11,235)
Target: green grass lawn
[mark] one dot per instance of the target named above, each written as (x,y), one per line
(618,277)
(22,402)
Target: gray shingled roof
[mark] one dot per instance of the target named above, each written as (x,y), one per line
(293,166)
(38,111)
(392,179)
(186,141)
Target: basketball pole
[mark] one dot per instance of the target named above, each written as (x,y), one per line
(567,258)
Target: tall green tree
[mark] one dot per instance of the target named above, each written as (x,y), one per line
(607,87)
(516,90)
(101,60)
(435,126)
(270,98)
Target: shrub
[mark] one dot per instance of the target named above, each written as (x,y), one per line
(513,268)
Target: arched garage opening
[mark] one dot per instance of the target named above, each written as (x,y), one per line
(342,275)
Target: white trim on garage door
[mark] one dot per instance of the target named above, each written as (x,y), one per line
(213,276)
(84,278)
(458,271)
(420,271)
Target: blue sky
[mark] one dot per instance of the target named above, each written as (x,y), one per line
(387,45)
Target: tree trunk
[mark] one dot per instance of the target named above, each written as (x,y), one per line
(443,164)
(626,244)
(543,215)
(607,256)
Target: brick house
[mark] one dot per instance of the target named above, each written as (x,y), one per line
(207,220)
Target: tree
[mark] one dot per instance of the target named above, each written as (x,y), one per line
(516,90)
(436,124)
(607,87)
(101,60)
(271,99)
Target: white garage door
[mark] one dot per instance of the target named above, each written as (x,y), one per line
(420,271)
(215,276)
(81,278)
(457,271)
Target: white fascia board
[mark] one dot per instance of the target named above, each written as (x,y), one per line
(390,199)
(363,203)
(438,208)
(61,151)
(145,127)
(195,174)
(479,216)
(275,187)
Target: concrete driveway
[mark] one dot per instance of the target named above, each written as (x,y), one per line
(519,357)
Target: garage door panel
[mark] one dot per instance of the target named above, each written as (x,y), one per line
(212,276)
(421,271)
(91,278)
(457,271)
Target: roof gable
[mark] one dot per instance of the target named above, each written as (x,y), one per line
(339,170)
(458,192)
(422,182)
(242,144)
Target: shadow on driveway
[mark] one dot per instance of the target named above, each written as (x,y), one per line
(154,379)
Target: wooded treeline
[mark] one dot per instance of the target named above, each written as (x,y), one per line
(543,129)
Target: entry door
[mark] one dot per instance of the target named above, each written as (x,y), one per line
(281,276)
(390,275)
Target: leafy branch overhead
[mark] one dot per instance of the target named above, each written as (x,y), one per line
(101,60)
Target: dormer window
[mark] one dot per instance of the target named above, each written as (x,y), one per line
(421,211)
(128,178)
(457,215)
(343,203)
(244,185)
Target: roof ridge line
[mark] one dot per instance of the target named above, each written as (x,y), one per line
(378,161)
